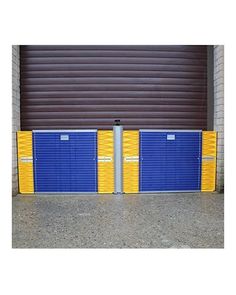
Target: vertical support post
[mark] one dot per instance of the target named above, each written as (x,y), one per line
(118,167)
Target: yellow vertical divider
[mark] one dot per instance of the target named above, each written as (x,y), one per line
(105,162)
(208,161)
(131,161)
(25,162)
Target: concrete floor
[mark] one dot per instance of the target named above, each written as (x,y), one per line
(177,220)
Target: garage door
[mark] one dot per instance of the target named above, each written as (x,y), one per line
(75,87)
(170,161)
(65,161)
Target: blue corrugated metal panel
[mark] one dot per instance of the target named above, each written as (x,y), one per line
(170,161)
(65,161)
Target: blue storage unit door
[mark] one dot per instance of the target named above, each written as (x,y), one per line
(65,161)
(170,161)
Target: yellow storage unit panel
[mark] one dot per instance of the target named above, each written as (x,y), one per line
(208,161)
(105,162)
(131,161)
(25,162)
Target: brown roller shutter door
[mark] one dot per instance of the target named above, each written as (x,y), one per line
(68,87)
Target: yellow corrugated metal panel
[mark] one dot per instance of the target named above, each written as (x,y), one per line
(131,161)
(25,162)
(208,161)
(208,175)
(209,143)
(105,162)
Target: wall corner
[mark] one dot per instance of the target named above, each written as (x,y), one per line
(15,114)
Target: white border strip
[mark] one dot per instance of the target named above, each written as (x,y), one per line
(167,130)
(64,130)
(66,193)
(183,191)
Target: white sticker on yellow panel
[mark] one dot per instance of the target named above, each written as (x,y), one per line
(104,159)
(26,159)
(131,159)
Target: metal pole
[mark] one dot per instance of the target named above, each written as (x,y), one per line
(118,167)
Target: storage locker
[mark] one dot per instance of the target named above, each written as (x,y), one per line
(105,161)
(208,161)
(170,160)
(130,161)
(65,161)
(25,162)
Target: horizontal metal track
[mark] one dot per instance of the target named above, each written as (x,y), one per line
(109,126)
(114,67)
(112,80)
(114,87)
(121,114)
(106,108)
(179,48)
(114,94)
(115,53)
(111,60)
(111,73)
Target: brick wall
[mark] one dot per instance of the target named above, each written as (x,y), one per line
(15,113)
(219,112)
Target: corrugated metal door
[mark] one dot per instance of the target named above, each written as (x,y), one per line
(65,161)
(90,86)
(170,161)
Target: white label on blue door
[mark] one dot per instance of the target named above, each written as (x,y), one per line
(64,137)
(170,136)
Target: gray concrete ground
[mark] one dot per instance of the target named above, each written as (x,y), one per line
(177,220)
